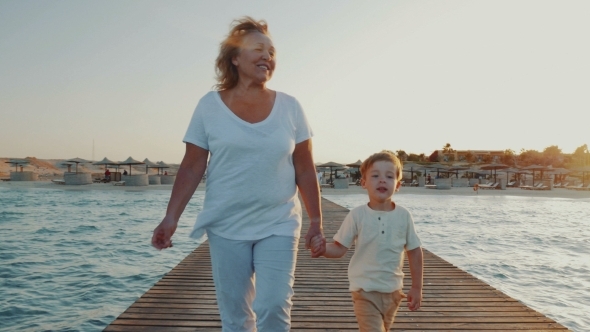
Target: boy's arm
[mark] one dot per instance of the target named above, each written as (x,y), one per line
(330,250)
(334,250)
(416,261)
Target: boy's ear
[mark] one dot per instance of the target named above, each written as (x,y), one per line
(397,185)
(363,182)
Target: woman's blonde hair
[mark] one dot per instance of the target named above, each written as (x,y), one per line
(384,155)
(226,71)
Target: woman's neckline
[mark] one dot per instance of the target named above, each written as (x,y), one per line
(235,116)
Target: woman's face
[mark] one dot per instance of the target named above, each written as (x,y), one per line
(256,59)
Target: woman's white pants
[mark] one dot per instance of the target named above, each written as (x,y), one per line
(254,282)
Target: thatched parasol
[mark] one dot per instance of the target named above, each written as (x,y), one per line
(493,167)
(331,165)
(17,162)
(130,161)
(149,164)
(77,161)
(161,165)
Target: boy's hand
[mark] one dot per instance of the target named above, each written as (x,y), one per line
(318,246)
(414,299)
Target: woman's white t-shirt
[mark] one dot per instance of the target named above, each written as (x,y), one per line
(251,191)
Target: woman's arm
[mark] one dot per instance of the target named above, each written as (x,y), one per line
(306,179)
(189,175)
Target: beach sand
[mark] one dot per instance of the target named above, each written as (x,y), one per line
(460,191)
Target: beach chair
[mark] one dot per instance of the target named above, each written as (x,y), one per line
(575,187)
(541,186)
(403,183)
(584,188)
(58,181)
(564,184)
(511,184)
(430,186)
(538,185)
(414,183)
(494,185)
(118,183)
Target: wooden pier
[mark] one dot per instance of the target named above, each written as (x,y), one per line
(454,300)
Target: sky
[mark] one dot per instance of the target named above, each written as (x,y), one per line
(95,79)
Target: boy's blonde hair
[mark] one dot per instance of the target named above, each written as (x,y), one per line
(384,155)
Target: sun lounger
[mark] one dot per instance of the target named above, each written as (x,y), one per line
(430,186)
(584,188)
(118,183)
(489,186)
(58,181)
(575,187)
(564,184)
(511,184)
(403,183)
(414,184)
(541,186)
(537,186)
(5,179)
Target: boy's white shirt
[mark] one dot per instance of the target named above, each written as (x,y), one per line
(380,238)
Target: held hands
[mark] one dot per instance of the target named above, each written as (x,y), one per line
(414,299)
(318,246)
(162,237)
(316,233)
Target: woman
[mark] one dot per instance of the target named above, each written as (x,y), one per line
(252,218)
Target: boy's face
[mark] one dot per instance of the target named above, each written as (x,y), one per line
(380,180)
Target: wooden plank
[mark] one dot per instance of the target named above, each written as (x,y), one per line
(454,300)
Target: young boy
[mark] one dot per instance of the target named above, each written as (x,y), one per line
(381,230)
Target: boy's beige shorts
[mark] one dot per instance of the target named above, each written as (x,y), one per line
(376,311)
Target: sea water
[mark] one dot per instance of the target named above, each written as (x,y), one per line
(74,260)
(534,249)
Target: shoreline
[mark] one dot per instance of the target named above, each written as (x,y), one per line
(352,190)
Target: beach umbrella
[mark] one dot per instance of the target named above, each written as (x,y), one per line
(161,165)
(558,171)
(493,167)
(17,162)
(438,167)
(473,170)
(456,169)
(130,161)
(149,164)
(106,162)
(331,165)
(411,168)
(534,168)
(78,161)
(357,164)
(510,170)
(583,170)
(68,165)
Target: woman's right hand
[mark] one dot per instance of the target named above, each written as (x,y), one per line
(162,237)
